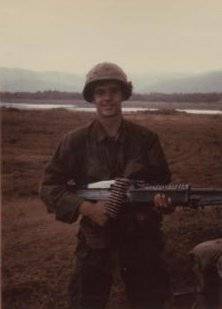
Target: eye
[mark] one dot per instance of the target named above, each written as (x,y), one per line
(115,90)
(99,92)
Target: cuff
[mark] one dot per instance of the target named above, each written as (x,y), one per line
(67,208)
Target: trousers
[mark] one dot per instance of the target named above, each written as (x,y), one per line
(141,267)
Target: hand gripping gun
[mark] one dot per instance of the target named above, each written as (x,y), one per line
(120,191)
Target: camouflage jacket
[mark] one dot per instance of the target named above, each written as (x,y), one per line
(88,155)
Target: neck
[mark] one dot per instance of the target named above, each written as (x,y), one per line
(111,124)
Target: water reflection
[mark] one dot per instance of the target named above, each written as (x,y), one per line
(93,109)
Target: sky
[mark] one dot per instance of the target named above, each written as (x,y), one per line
(141,36)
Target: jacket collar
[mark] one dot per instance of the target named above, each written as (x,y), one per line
(101,135)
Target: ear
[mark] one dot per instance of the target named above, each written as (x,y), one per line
(130,89)
(127,90)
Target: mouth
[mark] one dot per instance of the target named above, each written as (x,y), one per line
(108,106)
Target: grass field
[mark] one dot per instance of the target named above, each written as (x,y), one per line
(38,251)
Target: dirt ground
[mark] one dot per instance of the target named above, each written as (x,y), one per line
(37,251)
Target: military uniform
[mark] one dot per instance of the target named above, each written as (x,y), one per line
(88,155)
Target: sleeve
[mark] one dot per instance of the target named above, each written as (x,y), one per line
(158,170)
(54,189)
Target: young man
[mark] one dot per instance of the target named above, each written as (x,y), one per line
(109,148)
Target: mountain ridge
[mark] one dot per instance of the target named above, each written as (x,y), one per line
(18,79)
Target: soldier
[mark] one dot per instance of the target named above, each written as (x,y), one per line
(207,267)
(110,147)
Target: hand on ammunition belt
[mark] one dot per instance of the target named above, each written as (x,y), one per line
(101,211)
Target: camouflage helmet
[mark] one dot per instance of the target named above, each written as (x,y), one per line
(106,71)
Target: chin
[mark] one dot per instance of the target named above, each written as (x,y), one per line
(109,114)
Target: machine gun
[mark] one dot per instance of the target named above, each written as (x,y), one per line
(121,191)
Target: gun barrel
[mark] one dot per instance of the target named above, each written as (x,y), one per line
(206,196)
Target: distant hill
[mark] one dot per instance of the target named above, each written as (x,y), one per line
(208,82)
(17,79)
(26,80)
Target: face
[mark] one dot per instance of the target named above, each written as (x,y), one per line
(108,99)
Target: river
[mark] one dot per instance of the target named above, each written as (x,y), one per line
(93,109)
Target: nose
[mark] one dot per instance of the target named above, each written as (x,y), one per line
(107,95)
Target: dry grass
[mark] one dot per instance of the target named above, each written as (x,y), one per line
(38,251)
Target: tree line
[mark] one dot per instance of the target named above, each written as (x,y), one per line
(151,97)
(39,95)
